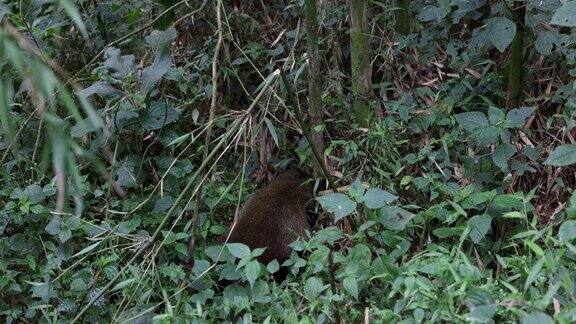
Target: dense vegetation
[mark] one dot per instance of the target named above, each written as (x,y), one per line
(132,131)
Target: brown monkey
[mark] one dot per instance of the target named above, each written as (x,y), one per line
(274,217)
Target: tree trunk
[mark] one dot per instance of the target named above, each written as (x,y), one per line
(361,65)
(515,74)
(314,81)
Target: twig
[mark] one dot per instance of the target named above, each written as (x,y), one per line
(189,261)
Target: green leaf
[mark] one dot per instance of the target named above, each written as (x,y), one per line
(545,41)
(376,198)
(503,153)
(272,131)
(562,155)
(565,15)
(53,228)
(356,190)
(252,270)
(471,120)
(78,285)
(501,32)
(479,226)
(537,318)
(516,118)
(64,235)
(495,115)
(337,203)
(238,250)
(567,231)
(508,201)
(35,193)
(158,115)
(313,287)
(273,266)
(534,273)
(123,284)
(351,286)
(394,218)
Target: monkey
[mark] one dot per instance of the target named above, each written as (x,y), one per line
(274,217)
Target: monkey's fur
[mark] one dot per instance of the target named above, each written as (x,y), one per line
(275,216)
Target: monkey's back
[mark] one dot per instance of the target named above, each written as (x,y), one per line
(274,217)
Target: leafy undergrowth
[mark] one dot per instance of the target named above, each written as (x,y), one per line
(452,209)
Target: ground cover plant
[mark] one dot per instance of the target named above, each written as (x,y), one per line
(439,136)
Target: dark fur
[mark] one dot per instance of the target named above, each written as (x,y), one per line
(275,216)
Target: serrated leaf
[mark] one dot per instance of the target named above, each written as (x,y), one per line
(238,250)
(479,226)
(313,287)
(338,204)
(495,115)
(545,41)
(64,235)
(351,286)
(562,155)
(503,153)
(376,198)
(119,66)
(35,193)
(565,15)
(158,115)
(252,270)
(501,32)
(53,228)
(356,190)
(163,204)
(471,120)
(537,318)
(516,118)
(394,218)
(567,231)
(273,266)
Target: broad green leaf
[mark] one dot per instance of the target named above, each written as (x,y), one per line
(376,198)
(356,190)
(157,115)
(53,228)
(479,226)
(35,193)
(503,153)
(313,287)
(394,218)
(238,250)
(567,231)
(252,271)
(545,41)
(537,318)
(501,32)
(273,266)
(495,115)
(508,201)
(337,203)
(565,15)
(562,155)
(351,286)
(516,118)
(471,120)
